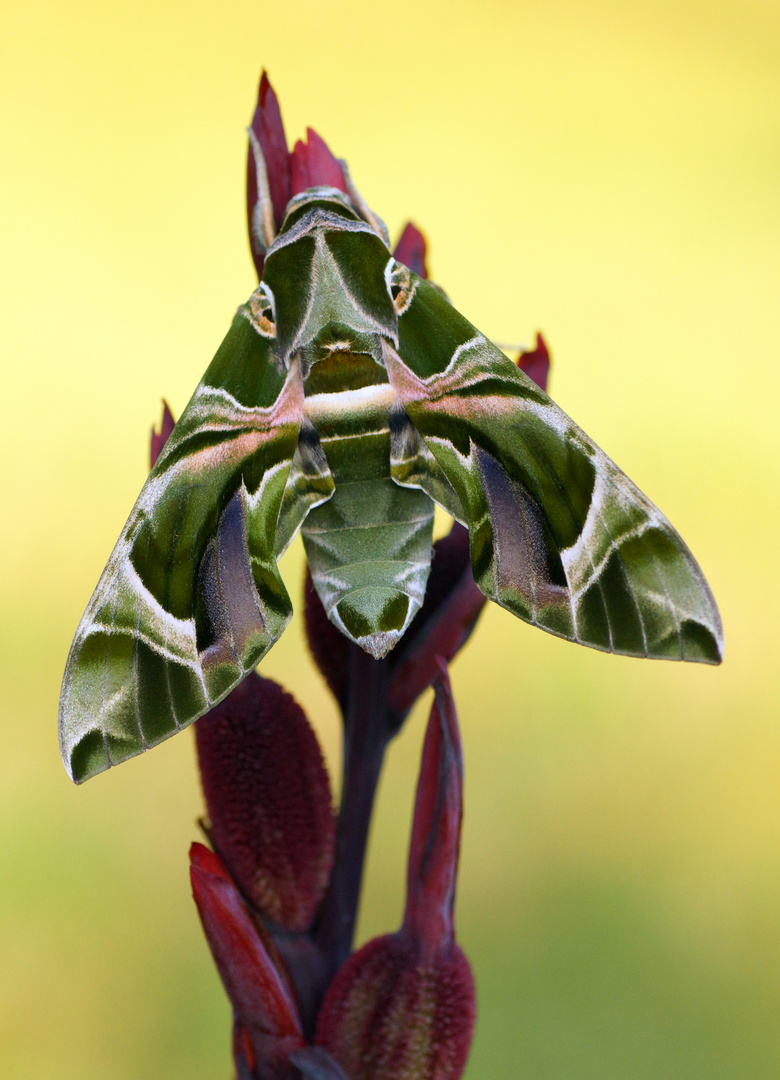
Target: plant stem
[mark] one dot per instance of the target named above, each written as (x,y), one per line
(367,731)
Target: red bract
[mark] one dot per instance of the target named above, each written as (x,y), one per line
(160,438)
(267,1027)
(313,165)
(310,164)
(268,800)
(411,250)
(402,1007)
(536,362)
(435,843)
(269,131)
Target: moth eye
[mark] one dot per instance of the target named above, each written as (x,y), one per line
(261,312)
(402,287)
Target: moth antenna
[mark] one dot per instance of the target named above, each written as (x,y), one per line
(263,212)
(366,212)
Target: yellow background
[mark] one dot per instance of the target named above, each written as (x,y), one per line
(605,171)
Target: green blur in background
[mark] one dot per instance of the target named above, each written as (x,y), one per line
(607,172)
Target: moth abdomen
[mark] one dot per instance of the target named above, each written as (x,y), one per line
(369,545)
(369,552)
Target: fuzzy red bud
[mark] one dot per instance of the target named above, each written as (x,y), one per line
(268,800)
(390,1016)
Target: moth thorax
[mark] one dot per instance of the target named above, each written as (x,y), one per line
(343,346)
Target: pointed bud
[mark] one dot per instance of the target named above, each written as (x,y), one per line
(536,362)
(438,815)
(452,605)
(269,130)
(410,250)
(313,165)
(268,800)
(159,439)
(267,1027)
(402,1007)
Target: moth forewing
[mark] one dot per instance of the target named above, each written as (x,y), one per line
(559,535)
(309,483)
(191,598)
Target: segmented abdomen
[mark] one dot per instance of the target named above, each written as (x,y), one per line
(369,546)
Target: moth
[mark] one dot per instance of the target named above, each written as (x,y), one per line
(347,399)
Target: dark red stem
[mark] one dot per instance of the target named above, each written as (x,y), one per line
(367,731)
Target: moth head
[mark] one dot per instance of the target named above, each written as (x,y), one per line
(351,207)
(326,200)
(327,272)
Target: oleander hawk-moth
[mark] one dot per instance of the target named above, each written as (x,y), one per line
(348,398)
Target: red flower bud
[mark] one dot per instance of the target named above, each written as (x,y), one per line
(410,250)
(267,1027)
(402,1007)
(269,130)
(159,439)
(313,165)
(268,800)
(438,814)
(536,362)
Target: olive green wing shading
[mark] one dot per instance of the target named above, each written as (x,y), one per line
(413,465)
(191,597)
(310,483)
(559,535)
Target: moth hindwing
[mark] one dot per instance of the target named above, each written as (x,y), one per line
(348,397)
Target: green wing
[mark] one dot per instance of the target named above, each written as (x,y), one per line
(191,597)
(559,535)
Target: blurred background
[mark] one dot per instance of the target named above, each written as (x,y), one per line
(605,171)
